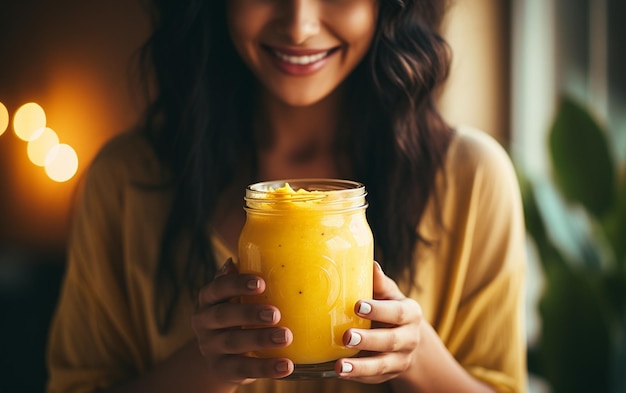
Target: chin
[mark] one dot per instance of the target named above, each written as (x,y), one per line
(300,98)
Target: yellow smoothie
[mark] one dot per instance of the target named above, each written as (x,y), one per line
(315,251)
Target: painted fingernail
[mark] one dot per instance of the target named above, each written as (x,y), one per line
(281,366)
(279,337)
(346,368)
(355,339)
(225,267)
(253,284)
(365,308)
(267,315)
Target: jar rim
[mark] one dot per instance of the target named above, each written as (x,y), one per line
(309,184)
(331,192)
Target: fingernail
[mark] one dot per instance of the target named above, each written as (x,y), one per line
(380,269)
(267,315)
(281,366)
(279,337)
(224,267)
(346,368)
(355,339)
(253,284)
(365,308)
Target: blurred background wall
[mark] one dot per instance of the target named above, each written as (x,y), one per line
(511,59)
(72,58)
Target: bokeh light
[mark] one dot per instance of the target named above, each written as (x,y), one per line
(29,120)
(61,163)
(4,118)
(39,147)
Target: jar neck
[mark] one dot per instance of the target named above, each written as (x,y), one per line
(330,195)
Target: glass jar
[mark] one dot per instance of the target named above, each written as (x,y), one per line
(310,241)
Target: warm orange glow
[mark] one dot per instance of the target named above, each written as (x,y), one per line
(4,118)
(39,147)
(29,119)
(61,163)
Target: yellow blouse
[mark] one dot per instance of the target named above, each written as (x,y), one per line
(470,280)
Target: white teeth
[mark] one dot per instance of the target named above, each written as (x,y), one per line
(301,60)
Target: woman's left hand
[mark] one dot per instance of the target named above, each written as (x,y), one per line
(389,348)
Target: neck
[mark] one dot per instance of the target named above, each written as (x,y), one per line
(284,125)
(298,141)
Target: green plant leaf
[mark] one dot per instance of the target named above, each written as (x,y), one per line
(581,161)
(532,216)
(575,349)
(619,237)
(614,287)
(615,226)
(535,224)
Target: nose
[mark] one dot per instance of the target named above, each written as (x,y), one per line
(300,20)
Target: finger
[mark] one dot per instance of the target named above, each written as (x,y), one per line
(384,286)
(393,312)
(228,315)
(227,268)
(399,339)
(227,286)
(238,341)
(238,368)
(372,369)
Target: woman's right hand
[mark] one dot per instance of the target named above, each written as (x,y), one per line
(223,342)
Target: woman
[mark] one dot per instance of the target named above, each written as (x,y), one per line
(251,90)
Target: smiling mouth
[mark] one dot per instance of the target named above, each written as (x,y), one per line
(303,59)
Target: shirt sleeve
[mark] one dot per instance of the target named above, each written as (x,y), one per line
(91,345)
(483,323)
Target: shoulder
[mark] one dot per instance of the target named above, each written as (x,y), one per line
(127,159)
(483,202)
(475,156)
(478,190)
(477,182)
(472,148)
(482,209)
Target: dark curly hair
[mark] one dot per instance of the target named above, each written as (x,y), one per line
(199,123)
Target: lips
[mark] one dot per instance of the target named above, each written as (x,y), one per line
(299,62)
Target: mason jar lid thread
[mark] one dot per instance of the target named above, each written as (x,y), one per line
(321,194)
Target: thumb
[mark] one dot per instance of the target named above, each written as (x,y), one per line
(384,287)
